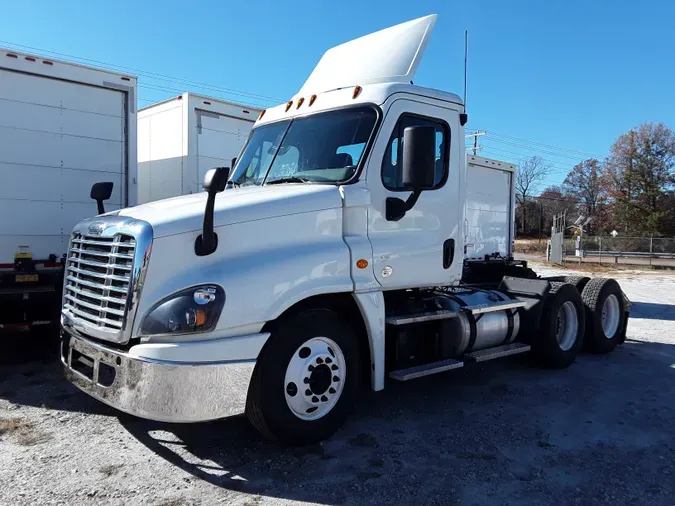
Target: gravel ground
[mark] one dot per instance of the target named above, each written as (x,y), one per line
(505,432)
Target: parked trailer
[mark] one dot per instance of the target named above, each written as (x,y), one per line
(353,241)
(182,138)
(63,127)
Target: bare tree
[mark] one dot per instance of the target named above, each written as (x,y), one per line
(531,172)
(585,184)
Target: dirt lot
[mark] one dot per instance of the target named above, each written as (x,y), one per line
(602,431)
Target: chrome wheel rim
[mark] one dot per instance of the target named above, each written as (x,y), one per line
(315,377)
(610,316)
(567,325)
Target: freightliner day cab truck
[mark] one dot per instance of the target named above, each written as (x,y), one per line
(354,244)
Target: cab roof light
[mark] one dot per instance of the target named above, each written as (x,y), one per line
(311,100)
(300,101)
(262,113)
(288,105)
(357,91)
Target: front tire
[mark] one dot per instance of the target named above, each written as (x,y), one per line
(305,379)
(561,329)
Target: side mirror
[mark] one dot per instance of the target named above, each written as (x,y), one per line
(101,192)
(215,181)
(234,162)
(418,166)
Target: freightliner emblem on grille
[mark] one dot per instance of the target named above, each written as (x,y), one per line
(96,228)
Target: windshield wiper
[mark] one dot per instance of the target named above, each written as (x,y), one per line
(293,179)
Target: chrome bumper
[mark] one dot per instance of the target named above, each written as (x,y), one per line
(157,390)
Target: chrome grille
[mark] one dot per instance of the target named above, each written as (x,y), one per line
(99,279)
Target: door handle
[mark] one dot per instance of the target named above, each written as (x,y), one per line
(448,253)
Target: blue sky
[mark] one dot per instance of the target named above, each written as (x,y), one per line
(558,79)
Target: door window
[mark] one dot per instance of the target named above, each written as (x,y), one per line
(391,166)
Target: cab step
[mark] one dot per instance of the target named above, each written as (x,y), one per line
(497,306)
(498,352)
(425,370)
(405,319)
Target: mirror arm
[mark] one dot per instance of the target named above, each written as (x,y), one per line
(99,203)
(396,208)
(207,242)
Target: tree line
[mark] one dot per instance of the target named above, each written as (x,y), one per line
(631,191)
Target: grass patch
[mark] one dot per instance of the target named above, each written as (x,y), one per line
(530,246)
(110,469)
(23,431)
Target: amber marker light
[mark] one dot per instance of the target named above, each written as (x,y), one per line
(362,263)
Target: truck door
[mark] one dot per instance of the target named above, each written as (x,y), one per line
(424,248)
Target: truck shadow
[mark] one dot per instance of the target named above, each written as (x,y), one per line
(653,311)
(495,426)
(30,375)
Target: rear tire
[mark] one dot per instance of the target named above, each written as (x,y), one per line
(561,328)
(605,316)
(578,282)
(305,379)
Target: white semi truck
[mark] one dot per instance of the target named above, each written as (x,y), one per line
(353,243)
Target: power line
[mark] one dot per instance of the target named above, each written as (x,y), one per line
(153,75)
(549,146)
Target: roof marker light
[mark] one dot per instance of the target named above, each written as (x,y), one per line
(11,55)
(288,105)
(125,79)
(246,112)
(47,62)
(29,58)
(357,90)
(262,113)
(207,102)
(311,100)
(300,101)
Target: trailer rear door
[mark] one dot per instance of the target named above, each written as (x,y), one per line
(57,138)
(219,139)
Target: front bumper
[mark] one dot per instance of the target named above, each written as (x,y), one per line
(157,390)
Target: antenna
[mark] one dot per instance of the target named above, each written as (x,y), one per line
(466,53)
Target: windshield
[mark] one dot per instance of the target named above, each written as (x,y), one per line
(321,148)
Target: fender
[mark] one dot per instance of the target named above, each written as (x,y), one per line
(371,305)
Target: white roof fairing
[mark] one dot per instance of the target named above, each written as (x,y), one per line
(390,55)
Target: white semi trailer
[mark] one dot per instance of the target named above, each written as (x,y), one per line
(181,138)
(352,244)
(63,127)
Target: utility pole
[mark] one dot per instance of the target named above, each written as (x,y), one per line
(475,139)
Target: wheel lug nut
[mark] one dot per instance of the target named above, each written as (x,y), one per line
(334,367)
(335,378)
(331,390)
(310,368)
(319,360)
(305,381)
(315,399)
(324,398)
(328,360)
(308,392)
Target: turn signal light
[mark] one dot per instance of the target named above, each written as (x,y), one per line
(362,263)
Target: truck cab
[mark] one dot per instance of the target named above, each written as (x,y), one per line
(350,245)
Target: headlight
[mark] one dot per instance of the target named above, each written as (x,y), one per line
(192,310)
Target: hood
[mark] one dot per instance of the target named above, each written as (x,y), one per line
(236,205)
